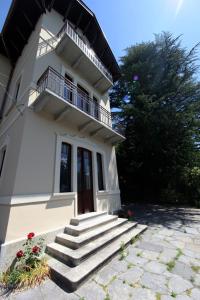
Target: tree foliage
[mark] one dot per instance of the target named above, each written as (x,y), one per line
(158,109)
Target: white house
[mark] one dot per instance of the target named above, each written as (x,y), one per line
(57,144)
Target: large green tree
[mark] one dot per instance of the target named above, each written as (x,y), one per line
(156,105)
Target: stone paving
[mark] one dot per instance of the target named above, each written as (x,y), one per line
(164,264)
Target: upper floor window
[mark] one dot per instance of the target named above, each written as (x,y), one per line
(2,159)
(65,168)
(96,108)
(83,99)
(17,88)
(68,88)
(100,172)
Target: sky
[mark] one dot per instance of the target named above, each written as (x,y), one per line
(127,22)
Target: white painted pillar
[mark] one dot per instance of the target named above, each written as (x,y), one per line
(95,180)
(74,178)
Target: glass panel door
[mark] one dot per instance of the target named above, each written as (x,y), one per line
(85,182)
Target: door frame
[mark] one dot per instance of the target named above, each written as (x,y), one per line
(76,142)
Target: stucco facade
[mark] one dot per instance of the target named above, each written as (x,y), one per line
(30,198)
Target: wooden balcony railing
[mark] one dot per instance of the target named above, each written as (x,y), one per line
(53,81)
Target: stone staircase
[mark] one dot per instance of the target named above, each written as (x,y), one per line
(86,245)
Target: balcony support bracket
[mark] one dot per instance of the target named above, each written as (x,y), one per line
(98,82)
(62,114)
(93,133)
(85,125)
(39,106)
(115,143)
(109,138)
(77,61)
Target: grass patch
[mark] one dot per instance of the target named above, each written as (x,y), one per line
(158,296)
(112,279)
(20,278)
(139,254)
(143,286)
(130,265)
(170,265)
(180,252)
(189,292)
(173,295)
(134,285)
(134,239)
(123,252)
(107,297)
(105,286)
(196,269)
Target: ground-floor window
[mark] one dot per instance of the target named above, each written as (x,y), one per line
(65,168)
(100,172)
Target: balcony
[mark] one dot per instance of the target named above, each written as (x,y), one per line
(63,100)
(80,56)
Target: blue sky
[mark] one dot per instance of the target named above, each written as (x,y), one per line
(126,22)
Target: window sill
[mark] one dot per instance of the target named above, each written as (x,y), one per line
(63,196)
(106,192)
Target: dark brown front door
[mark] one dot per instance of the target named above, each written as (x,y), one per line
(85,184)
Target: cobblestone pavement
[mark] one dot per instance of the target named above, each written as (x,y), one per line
(164,264)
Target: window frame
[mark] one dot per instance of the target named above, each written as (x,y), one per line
(17,89)
(2,159)
(82,102)
(70,168)
(101,182)
(2,147)
(69,78)
(97,111)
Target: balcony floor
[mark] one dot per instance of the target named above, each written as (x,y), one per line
(65,112)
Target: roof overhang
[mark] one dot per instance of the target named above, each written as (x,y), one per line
(2,46)
(23,17)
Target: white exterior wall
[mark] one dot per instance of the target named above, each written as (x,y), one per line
(29,199)
(51,24)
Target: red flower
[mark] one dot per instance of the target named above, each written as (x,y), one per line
(20,254)
(130,213)
(36,249)
(30,235)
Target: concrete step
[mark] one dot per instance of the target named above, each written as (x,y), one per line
(72,278)
(75,242)
(87,217)
(75,257)
(78,230)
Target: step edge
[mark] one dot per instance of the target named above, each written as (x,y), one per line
(78,231)
(78,281)
(77,220)
(76,260)
(81,239)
